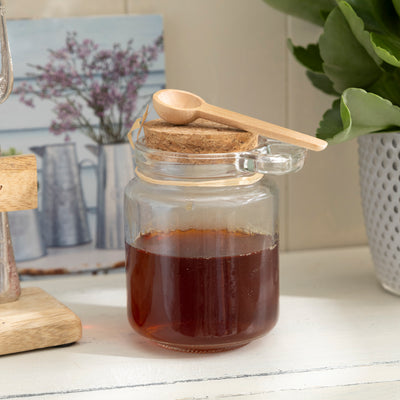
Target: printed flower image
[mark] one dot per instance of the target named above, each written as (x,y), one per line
(79,85)
(94,90)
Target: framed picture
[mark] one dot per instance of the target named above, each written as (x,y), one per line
(79,84)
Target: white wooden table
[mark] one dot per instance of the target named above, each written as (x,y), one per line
(338,337)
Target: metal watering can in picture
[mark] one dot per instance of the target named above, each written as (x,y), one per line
(115,169)
(65,221)
(27,238)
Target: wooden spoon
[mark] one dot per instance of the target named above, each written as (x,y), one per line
(180,107)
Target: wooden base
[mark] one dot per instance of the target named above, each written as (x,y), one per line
(36,320)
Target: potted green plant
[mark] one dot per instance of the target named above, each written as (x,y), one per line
(357,61)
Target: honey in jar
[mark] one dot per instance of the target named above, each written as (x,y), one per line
(202,290)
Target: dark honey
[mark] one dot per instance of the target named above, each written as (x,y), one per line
(202,290)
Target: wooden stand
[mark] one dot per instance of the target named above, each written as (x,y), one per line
(18,183)
(36,320)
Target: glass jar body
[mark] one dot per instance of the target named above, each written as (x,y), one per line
(202,261)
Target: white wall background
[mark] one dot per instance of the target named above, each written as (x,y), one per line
(233,53)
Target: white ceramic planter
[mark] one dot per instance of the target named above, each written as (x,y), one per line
(379,167)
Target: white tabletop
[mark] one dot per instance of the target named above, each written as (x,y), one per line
(338,337)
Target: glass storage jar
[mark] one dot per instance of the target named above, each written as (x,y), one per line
(202,245)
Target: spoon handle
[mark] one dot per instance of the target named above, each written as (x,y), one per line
(240,121)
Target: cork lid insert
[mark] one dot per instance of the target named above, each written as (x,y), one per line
(198,137)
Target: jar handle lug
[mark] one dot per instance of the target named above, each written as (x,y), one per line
(272,158)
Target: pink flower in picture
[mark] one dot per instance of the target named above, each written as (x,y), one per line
(94,90)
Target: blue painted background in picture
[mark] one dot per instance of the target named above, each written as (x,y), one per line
(79,84)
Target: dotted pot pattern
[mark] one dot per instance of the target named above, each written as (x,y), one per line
(379,166)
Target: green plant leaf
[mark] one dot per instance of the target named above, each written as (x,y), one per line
(387,48)
(387,86)
(310,10)
(12,151)
(309,57)
(356,25)
(346,62)
(396,4)
(378,15)
(361,113)
(331,123)
(324,14)
(322,82)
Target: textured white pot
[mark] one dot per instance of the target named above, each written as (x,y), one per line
(379,167)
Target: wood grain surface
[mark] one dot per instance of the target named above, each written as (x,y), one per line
(36,320)
(18,183)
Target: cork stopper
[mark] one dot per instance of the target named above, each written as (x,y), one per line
(198,137)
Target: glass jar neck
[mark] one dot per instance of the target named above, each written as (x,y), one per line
(168,166)
(270,157)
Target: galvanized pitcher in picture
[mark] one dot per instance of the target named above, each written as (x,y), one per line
(115,169)
(65,221)
(27,238)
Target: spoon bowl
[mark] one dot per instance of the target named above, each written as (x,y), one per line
(179,107)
